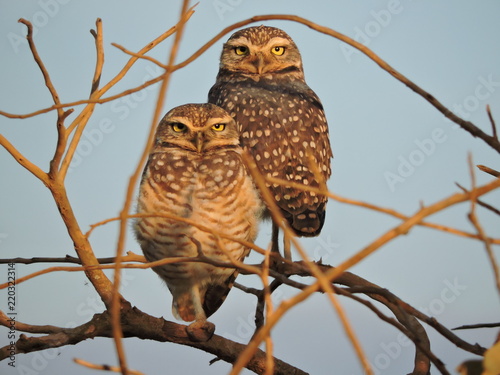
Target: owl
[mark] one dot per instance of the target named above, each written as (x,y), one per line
(195,172)
(281,120)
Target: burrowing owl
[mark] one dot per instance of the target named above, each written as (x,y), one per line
(195,172)
(281,120)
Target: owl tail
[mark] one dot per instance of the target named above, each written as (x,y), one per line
(309,222)
(217,293)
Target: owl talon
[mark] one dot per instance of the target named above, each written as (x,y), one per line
(200,331)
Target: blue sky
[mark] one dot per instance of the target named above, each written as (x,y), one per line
(391,148)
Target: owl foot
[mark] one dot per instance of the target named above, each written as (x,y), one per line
(200,330)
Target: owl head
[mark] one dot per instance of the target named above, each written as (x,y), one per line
(261,50)
(198,128)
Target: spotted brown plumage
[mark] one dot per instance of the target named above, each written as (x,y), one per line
(261,84)
(195,172)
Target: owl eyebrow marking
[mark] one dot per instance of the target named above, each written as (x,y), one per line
(238,42)
(277,41)
(179,119)
(218,120)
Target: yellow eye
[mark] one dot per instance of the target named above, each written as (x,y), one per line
(218,127)
(278,51)
(178,127)
(241,50)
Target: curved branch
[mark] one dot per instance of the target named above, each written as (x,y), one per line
(492,121)
(359,285)
(492,141)
(43,69)
(387,211)
(334,273)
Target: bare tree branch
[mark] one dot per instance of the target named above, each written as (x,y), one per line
(41,65)
(480,231)
(492,121)
(475,131)
(70,259)
(489,170)
(387,211)
(93,366)
(479,325)
(120,320)
(135,323)
(332,274)
(98,36)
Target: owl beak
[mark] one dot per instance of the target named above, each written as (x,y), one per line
(198,142)
(259,63)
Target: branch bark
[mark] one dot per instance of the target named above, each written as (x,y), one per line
(136,323)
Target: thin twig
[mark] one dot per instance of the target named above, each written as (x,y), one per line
(93,366)
(360,255)
(373,207)
(492,121)
(382,295)
(61,113)
(34,169)
(278,219)
(480,231)
(261,300)
(488,207)
(130,257)
(489,170)
(56,186)
(417,340)
(479,325)
(466,125)
(41,65)
(143,264)
(183,220)
(268,311)
(124,213)
(98,36)
(84,116)
(387,298)
(140,56)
